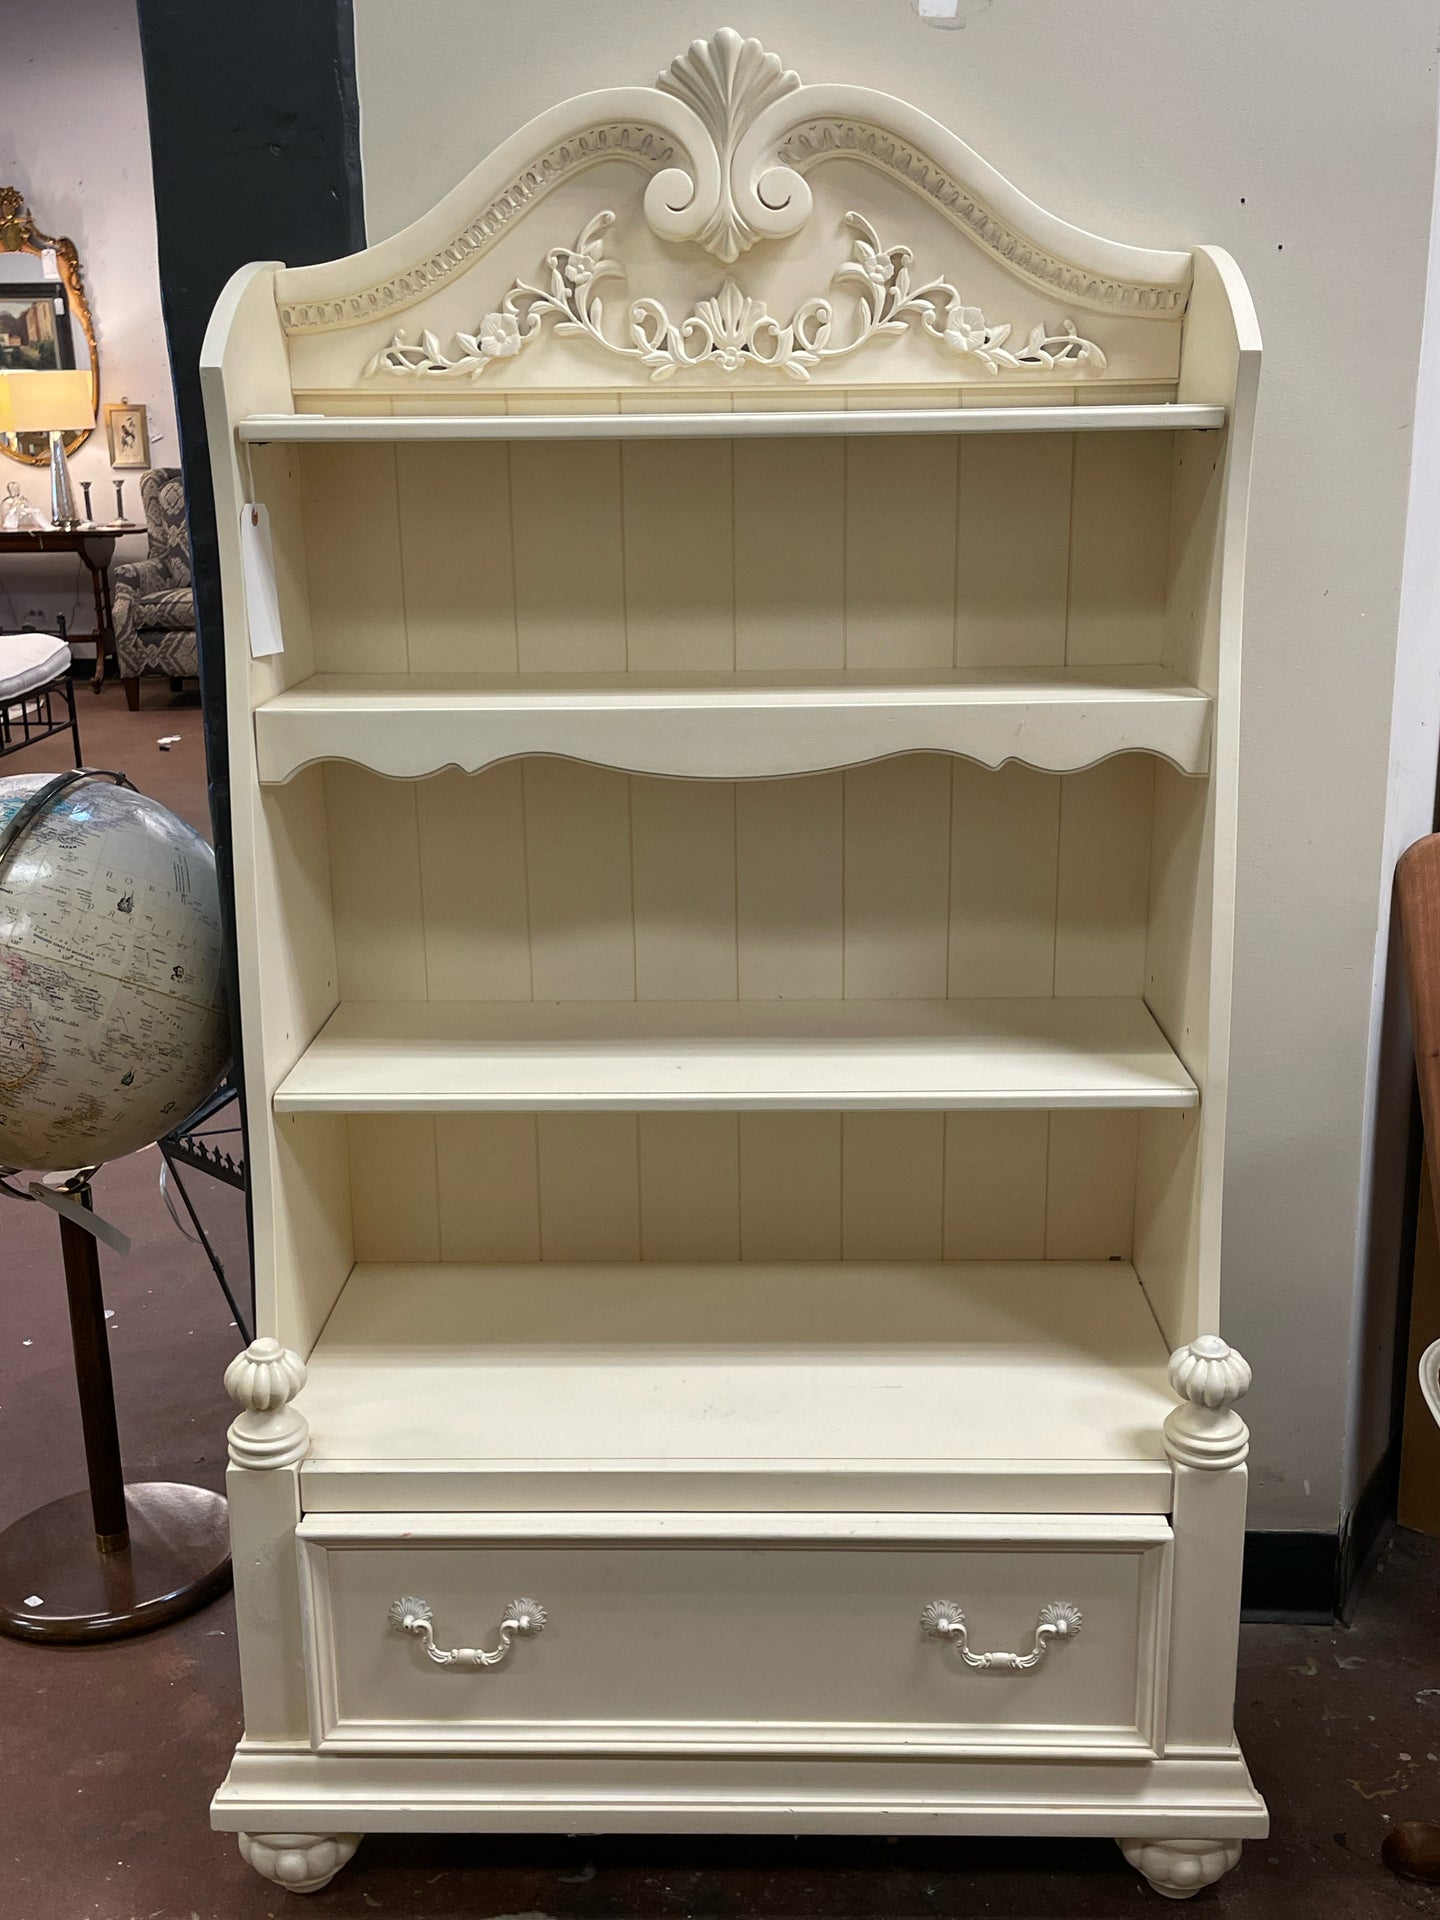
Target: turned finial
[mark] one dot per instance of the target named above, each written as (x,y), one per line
(262,1381)
(1205,1431)
(1209,1373)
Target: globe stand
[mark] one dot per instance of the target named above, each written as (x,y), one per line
(117,1560)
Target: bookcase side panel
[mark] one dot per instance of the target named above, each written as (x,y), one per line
(286,957)
(1189,954)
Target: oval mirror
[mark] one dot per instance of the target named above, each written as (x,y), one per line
(44,316)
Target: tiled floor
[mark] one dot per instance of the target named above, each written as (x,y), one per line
(108,1755)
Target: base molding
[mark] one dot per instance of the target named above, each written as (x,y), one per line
(1291,1576)
(278,1788)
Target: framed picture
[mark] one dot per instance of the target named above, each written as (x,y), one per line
(128,432)
(34,333)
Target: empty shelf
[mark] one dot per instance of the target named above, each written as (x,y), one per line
(735,1055)
(719,726)
(1007,1386)
(1162,416)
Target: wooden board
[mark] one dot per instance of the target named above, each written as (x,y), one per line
(683,1372)
(467,1056)
(732,727)
(1159,416)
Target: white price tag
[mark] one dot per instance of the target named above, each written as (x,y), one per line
(81,1216)
(49,265)
(257,567)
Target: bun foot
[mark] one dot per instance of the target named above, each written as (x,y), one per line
(299,1862)
(1412,1848)
(1178,1869)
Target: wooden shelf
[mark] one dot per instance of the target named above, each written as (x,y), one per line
(718,726)
(1164,416)
(1006,1385)
(736,1055)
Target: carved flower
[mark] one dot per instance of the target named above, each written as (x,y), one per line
(579,269)
(966,331)
(879,268)
(499,336)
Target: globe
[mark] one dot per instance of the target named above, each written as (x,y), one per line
(112,1017)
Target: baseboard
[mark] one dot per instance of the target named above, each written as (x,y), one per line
(1367,1527)
(1291,1577)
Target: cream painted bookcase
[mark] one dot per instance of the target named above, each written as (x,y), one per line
(735,864)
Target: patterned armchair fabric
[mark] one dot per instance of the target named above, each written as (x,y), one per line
(153,602)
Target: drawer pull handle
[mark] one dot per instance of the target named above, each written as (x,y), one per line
(943,1620)
(409,1615)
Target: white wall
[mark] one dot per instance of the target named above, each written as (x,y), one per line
(1303,139)
(75,140)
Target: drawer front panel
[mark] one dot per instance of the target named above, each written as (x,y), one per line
(717,1643)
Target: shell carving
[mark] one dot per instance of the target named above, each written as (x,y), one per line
(1209,1373)
(264,1377)
(727,83)
(940,1619)
(1062,1617)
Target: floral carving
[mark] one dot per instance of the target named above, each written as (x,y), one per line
(731,330)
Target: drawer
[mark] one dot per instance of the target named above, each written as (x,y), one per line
(723,1634)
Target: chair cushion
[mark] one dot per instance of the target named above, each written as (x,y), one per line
(30,660)
(175,607)
(173,652)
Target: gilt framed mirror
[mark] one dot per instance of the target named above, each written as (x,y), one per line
(44,315)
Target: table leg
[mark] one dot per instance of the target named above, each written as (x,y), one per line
(104,626)
(96,555)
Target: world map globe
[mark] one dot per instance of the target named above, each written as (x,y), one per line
(112,1016)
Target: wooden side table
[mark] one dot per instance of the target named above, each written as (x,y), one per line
(96,547)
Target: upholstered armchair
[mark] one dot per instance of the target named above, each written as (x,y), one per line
(154,603)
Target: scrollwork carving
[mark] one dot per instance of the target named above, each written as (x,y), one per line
(816,139)
(731,331)
(728,136)
(727,82)
(648,146)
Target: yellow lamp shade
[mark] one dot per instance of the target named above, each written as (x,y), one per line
(56,402)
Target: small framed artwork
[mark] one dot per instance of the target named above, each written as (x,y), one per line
(128,432)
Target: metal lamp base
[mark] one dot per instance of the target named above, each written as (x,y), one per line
(63,515)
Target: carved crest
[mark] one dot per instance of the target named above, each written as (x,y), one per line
(728,136)
(727,83)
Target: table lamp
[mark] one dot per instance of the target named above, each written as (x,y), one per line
(56,403)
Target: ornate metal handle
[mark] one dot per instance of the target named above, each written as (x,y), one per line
(943,1620)
(409,1615)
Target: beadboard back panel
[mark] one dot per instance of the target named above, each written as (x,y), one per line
(724,1187)
(768,556)
(918,877)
